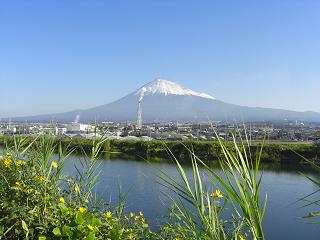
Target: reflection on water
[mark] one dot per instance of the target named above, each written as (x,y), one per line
(283,184)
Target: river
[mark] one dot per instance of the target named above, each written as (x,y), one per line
(284,184)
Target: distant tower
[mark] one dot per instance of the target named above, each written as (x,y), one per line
(139,115)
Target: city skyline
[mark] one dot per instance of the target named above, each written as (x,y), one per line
(62,56)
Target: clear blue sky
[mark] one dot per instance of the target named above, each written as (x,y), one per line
(63,55)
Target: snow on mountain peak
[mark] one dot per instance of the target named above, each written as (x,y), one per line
(165,87)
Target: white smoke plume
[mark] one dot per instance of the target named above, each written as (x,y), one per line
(76,120)
(143,90)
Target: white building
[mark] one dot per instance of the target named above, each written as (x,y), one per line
(60,130)
(77,127)
(11,129)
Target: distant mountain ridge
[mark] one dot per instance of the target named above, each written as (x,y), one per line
(164,100)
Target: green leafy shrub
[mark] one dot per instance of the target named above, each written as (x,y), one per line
(38,202)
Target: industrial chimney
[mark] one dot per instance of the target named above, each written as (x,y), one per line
(139,113)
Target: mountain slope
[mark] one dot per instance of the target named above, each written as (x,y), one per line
(163,100)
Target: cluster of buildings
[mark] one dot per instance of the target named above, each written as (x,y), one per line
(285,131)
(58,129)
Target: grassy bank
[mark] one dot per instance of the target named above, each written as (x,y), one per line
(206,150)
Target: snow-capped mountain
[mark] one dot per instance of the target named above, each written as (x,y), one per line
(166,87)
(164,100)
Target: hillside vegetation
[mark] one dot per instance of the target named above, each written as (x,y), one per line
(205,150)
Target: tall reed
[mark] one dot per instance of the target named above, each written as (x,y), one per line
(198,206)
(313,198)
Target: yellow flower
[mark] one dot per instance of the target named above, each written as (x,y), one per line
(7,162)
(20,163)
(217,194)
(131,215)
(69,180)
(108,214)
(131,236)
(82,209)
(241,237)
(136,218)
(61,200)
(29,190)
(91,228)
(54,164)
(166,228)
(140,213)
(76,188)
(19,183)
(39,178)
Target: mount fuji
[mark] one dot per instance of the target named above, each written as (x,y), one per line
(164,100)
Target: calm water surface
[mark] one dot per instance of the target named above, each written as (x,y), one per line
(283,184)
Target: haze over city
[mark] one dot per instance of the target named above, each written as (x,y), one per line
(60,56)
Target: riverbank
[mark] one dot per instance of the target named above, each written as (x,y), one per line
(206,150)
(41,202)
(56,199)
